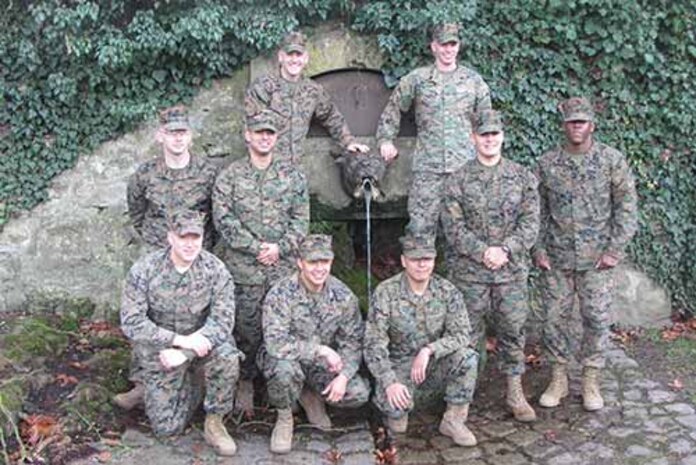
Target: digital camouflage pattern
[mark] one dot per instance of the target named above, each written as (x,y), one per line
(576,109)
(316,247)
(252,206)
(505,308)
(594,290)
(588,206)
(294,104)
(444,104)
(401,323)
(295,323)
(158,303)
(154,189)
(447,32)
(487,206)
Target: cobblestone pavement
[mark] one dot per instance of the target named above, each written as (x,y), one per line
(643,423)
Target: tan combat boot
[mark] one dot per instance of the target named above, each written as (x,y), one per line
(131,399)
(517,402)
(281,437)
(245,397)
(591,397)
(558,387)
(398,425)
(315,408)
(453,425)
(216,435)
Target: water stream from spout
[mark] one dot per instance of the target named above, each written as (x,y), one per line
(367,191)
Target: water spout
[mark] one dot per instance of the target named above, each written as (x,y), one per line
(367,192)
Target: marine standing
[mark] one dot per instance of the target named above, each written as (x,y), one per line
(588,215)
(491,221)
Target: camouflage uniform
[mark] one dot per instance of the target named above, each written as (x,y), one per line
(295,323)
(295,103)
(252,206)
(444,104)
(588,207)
(158,303)
(401,323)
(488,206)
(154,189)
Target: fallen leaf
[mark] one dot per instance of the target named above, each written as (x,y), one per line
(65,380)
(332,456)
(550,435)
(37,427)
(78,365)
(104,456)
(111,442)
(676,385)
(491,344)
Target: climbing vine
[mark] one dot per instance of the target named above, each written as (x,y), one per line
(76,73)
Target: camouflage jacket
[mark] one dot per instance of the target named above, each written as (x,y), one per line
(296,322)
(444,104)
(401,323)
(491,206)
(251,206)
(588,206)
(154,188)
(159,302)
(294,105)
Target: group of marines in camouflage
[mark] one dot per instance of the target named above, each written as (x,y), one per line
(204,328)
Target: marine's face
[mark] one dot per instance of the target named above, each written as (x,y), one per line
(292,64)
(261,142)
(314,272)
(488,144)
(185,248)
(445,54)
(578,132)
(419,270)
(175,142)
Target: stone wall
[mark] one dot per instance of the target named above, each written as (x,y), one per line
(79,243)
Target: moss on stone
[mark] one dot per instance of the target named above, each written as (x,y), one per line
(35,337)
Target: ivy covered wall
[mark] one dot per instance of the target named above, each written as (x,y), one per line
(76,73)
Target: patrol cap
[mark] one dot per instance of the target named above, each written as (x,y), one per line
(447,32)
(182,222)
(418,246)
(487,121)
(316,247)
(174,118)
(577,109)
(294,42)
(263,120)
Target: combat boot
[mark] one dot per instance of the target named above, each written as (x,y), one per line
(517,402)
(281,437)
(315,408)
(131,399)
(245,397)
(398,425)
(557,388)
(591,396)
(453,425)
(216,435)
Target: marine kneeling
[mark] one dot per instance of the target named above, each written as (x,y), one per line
(312,343)
(417,344)
(178,311)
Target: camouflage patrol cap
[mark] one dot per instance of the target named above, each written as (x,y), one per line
(174,118)
(263,120)
(418,246)
(577,109)
(487,121)
(448,32)
(182,222)
(294,42)
(316,247)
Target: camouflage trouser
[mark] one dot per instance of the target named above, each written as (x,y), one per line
(286,378)
(247,326)
(171,396)
(593,289)
(452,377)
(505,308)
(425,202)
